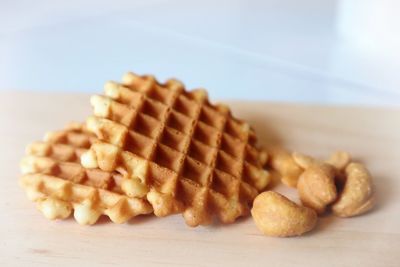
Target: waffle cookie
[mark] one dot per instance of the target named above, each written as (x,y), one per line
(186,155)
(54,178)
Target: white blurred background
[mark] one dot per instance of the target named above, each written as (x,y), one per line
(330,52)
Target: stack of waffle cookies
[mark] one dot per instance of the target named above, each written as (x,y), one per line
(148,148)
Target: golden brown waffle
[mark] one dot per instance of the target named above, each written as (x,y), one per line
(187,155)
(56,181)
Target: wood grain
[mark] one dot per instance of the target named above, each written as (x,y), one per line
(371,134)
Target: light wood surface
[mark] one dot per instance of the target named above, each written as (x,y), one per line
(370,134)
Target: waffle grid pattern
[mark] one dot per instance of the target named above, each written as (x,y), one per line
(54,178)
(183,139)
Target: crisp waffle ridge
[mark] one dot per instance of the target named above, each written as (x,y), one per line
(54,178)
(191,156)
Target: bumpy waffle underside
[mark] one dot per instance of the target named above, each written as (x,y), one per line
(56,181)
(187,155)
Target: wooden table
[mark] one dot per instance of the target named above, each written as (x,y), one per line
(372,135)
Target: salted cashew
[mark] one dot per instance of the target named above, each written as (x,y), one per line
(357,196)
(339,160)
(303,161)
(282,161)
(316,185)
(318,182)
(276,215)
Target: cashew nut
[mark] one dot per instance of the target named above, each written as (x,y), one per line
(317,187)
(357,196)
(282,161)
(276,215)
